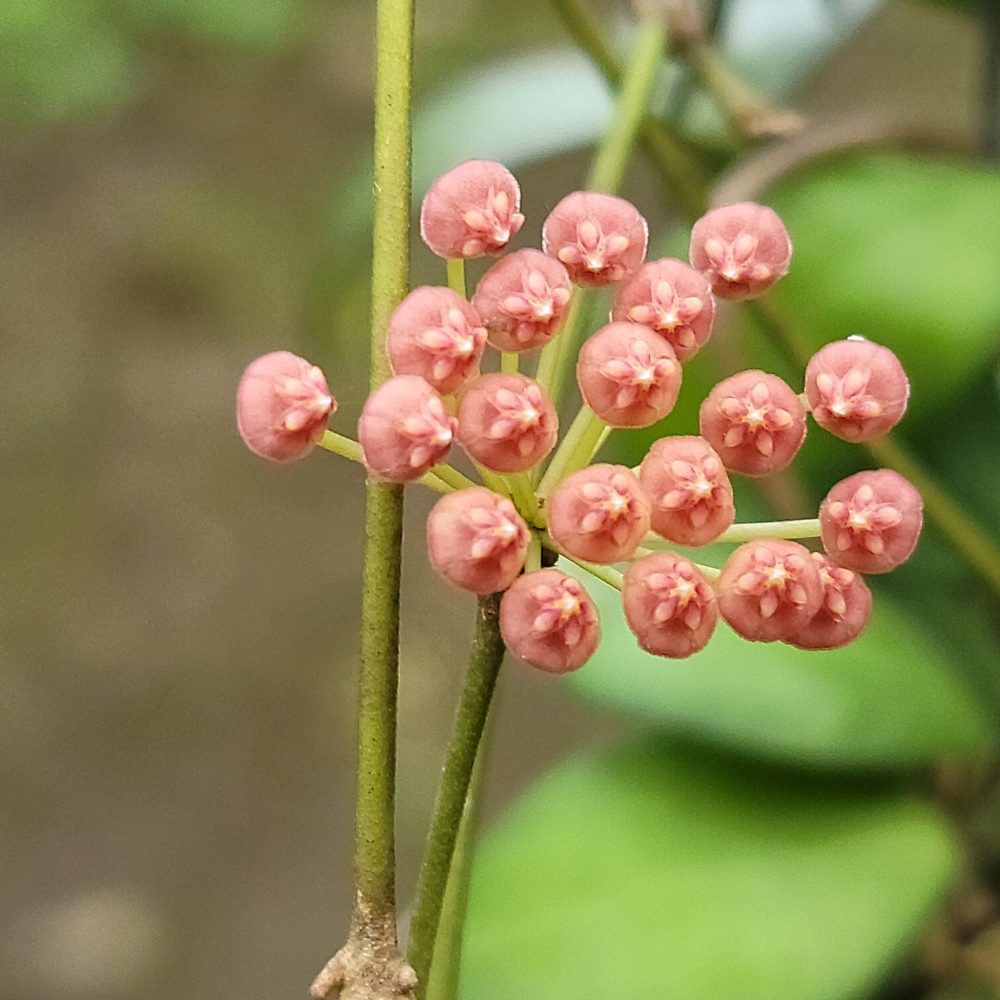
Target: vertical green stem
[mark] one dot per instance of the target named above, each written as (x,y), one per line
(679,171)
(608,168)
(484,666)
(446,966)
(456,275)
(577,448)
(374,858)
(606,173)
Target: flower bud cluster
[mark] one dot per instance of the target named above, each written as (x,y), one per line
(629,374)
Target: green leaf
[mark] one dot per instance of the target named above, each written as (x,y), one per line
(903,251)
(648,872)
(890,699)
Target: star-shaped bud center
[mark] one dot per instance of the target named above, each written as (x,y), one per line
(493,223)
(733,259)
(430,430)
(561,610)
(596,251)
(306,400)
(774,581)
(864,520)
(754,416)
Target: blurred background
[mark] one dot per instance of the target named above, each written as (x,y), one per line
(184,184)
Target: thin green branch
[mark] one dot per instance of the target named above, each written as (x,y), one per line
(586,434)
(803,528)
(679,171)
(615,150)
(446,965)
(473,709)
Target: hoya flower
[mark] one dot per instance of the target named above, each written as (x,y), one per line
(522,300)
(856,389)
(477,540)
(600,513)
(550,621)
(673,300)
(436,334)
(506,422)
(844,613)
(755,421)
(669,605)
(601,239)
(404,429)
(628,375)
(769,589)
(871,521)
(282,406)
(742,249)
(472,210)
(690,491)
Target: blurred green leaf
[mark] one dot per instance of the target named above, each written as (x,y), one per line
(890,699)
(903,251)
(60,60)
(650,872)
(262,25)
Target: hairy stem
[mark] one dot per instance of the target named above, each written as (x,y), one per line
(473,708)
(368,965)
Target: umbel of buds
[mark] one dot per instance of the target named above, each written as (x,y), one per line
(496,537)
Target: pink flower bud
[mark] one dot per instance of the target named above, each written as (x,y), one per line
(844,613)
(669,605)
(769,589)
(436,334)
(404,429)
(871,521)
(689,488)
(600,514)
(282,405)
(549,620)
(628,375)
(522,299)
(477,540)
(673,300)
(742,249)
(473,209)
(856,389)
(506,422)
(601,239)
(755,421)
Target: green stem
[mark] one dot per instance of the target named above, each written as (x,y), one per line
(523,495)
(509,362)
(374,858)
(804,528)
(678,170)
(446,966)
(614,152)
(484,666)
(549,374)
(452,477)
(533,560)
(370,959)
(456,275)
(612,577)
(346,447)
(577,448)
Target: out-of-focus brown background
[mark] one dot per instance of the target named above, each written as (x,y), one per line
(180,619)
